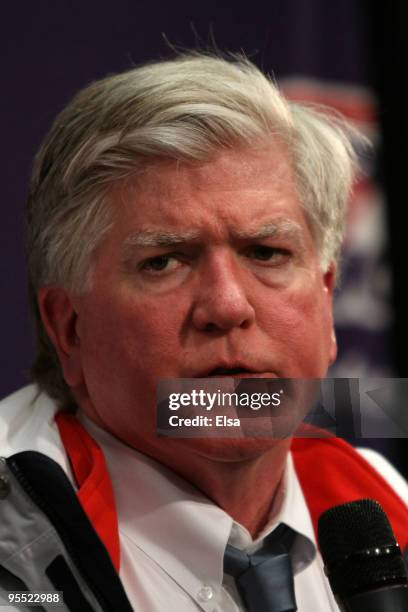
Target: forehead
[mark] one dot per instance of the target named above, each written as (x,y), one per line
(236,189)
(231,170)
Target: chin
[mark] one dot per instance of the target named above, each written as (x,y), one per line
(230,449)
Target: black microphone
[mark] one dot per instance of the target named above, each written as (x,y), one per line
(363,561)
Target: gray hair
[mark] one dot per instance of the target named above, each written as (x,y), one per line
(185,109)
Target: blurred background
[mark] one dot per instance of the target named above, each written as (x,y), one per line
(348,54)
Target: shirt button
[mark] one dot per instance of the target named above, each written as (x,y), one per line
(205,594)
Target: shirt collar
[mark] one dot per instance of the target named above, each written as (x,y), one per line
(166,517)
(290,508)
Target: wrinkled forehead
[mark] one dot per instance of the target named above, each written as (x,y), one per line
(266,167)
(278,228)
(246,193)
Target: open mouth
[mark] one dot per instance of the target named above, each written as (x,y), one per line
(228,372)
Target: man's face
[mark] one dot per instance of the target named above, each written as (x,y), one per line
(207,268)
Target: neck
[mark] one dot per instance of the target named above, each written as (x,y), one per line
(245,488)
(242,476)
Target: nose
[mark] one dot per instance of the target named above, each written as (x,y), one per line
(222,300)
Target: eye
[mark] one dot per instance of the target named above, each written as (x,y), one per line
(157,263)
(267,254)
(161,264)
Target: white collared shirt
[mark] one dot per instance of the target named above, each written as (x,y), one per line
(172,537)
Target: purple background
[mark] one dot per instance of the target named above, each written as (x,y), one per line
(49,50)
(52,49)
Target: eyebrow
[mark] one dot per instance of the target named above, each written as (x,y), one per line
(279,228)
(161,238)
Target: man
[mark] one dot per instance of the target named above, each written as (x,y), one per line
(184,221)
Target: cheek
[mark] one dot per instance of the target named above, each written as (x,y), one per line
(139,335)
(124,350)
(299,326)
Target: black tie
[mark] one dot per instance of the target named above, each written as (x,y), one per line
(265,579)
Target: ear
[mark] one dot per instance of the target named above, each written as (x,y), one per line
(329,282)
(60,321)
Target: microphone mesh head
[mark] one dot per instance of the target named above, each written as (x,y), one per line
(345,533)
